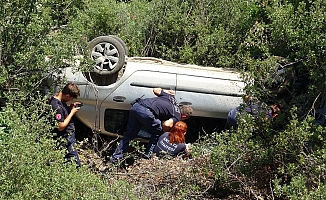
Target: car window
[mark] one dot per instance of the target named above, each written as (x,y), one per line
(115,121)
(201,126)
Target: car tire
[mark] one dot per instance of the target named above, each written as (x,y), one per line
(108,53)
(121,42)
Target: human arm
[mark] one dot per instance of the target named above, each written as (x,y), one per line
(65,123)
(184,152)
(187,151)
(167,125)
(157,91)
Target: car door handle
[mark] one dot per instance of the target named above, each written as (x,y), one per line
(119,99)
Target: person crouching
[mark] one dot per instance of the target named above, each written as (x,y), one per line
(172,143)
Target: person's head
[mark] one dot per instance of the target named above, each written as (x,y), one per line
(186,112)
(177,133)
(70,92)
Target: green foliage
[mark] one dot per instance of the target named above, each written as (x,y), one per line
(31,166)
(292,160)
(199,32)
(287,155)
(25,37)
(294,31)
(126,20)
(299,156)
(63,11)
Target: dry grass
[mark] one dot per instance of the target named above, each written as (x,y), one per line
(157,178)
(168,179)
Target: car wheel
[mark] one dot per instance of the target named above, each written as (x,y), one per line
(121,42)
(108,53)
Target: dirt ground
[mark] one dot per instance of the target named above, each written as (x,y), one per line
(151,176)
(148,174)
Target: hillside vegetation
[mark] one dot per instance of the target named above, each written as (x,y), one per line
(284,159)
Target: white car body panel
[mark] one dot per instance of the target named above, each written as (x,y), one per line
(211,92)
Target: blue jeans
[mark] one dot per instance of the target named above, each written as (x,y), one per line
(232,118)
(69,143)
(139,117)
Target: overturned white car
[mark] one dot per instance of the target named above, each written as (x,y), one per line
(115,81)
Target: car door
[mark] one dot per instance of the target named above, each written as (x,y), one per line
(139,84)
(210,96)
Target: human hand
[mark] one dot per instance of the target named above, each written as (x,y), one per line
(167,125)
(188,147)
(74,110)
(79,105)
(75,104)
(172,92)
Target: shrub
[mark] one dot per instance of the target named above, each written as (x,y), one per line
(32,167)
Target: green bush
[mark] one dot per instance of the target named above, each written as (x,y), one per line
(32,167)
(284,159)
(199,32)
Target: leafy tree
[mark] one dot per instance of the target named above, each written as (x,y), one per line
(27,31)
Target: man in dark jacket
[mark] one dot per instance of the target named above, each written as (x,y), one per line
(254,108)
(156,115)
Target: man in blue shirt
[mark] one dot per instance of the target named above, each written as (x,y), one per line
(65,131)
(156,115)
(255,108)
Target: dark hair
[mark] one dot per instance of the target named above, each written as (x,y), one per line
(71,89)
(177,132)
